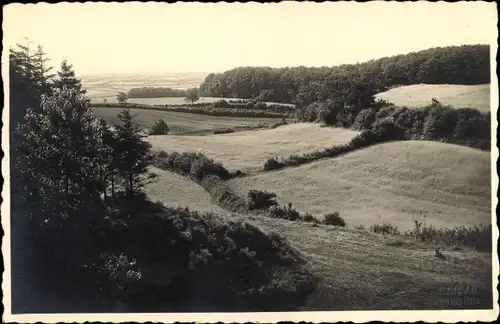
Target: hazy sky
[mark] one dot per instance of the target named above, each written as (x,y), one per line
(193,37)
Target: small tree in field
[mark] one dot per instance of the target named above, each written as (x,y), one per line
(160,127)
(192,95)
(133,153)
(121,97)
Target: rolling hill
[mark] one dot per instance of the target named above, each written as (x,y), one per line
(250,149)
(458,96)
(441,184)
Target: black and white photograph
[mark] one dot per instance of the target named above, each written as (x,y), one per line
(249,162)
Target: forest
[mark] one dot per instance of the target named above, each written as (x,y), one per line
(466,64)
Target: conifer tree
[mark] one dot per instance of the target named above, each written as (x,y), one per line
(134,154)
(24,90)
(42,71)
(66,78)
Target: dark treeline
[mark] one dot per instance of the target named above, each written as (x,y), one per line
(156,92)
(467,64)
(218,108)
(80,221)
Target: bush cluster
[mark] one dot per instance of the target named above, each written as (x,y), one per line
(192,164)
(266,201)
(258,199)
(463,126)
(239,258)
(478,237)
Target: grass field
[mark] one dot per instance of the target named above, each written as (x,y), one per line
(458,96)
(441,184)
(181,122)
(250,149)
(177,191)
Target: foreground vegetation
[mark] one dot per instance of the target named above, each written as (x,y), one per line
(78,206)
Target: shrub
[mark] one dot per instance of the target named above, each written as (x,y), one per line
(364,120)
(261,105)
(223,131)
(309,218)
(285,212)
(272,164)
(386,229)
(333,219)
(258,199)
(194,164)
(160,127)
(221,104)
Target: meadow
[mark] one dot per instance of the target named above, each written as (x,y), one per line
(248,150)
(440,184)
(458,96)
(180,122)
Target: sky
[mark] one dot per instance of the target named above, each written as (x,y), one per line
(153,37)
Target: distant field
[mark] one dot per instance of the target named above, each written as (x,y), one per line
(100,87)
(177,191)
(107,86)
(181,122)
(250,149)
(458,96)
(442,184)
(171,100)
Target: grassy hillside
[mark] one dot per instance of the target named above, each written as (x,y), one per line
(458,96)
(361,270)
(181,122)
(177,191)
(441,184)
(248,150)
